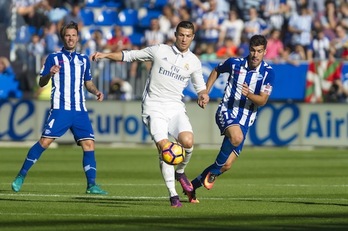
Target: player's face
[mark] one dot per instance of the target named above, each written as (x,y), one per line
(256,54)
(184,38)
(70,39)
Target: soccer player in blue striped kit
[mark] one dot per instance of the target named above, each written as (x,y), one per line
(69,72)
(248,87)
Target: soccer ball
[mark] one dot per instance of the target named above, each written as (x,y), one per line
(173,153)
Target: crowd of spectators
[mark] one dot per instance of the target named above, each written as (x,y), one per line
(297,30)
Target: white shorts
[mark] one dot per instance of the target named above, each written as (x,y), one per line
(166,120)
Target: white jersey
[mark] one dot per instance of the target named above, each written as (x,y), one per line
(171,70)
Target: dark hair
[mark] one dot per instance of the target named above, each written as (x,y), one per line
(186,25)
(258,40)
(70,25)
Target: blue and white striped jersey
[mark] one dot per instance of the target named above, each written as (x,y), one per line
(67,85)
(259,80)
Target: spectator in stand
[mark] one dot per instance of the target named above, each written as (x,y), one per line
(184,14)
(320,47)
(174,21)
(343,14)
(232,27)
(300,27)
(328,19)
(73,15)
(118,41)
(208,52)
(118,70)
(165,17)
(295,55)
(316,7)
(244,6)
(36,50)
(209,24)
(339,45)
(97,42)
(6,69)
(51,39)
(273,12)
(228,49)
(255,24)
(34,12)
(154,35)
(275,46)
(243,48)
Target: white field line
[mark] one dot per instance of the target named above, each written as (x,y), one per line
(84,215)
(151,185)
(84,196)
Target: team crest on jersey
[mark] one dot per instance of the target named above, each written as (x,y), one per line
(187,67)
(259,76)
(80,63)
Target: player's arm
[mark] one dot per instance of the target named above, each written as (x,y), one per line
(46,78)
(116,56)
(211,79)
(94,90)
(259,100)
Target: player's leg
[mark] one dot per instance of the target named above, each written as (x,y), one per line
(157,125)
(180,128)
(229,151)
(53,128)
(84,136)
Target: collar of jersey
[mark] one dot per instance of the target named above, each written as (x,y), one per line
(68,53)
(176,50)
(246,65)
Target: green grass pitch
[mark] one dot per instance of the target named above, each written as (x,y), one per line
(266,189)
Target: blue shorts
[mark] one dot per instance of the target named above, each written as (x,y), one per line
(224,120)
(59,121)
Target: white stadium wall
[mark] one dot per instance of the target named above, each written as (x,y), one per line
(278,124)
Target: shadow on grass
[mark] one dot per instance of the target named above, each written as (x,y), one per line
(237,222)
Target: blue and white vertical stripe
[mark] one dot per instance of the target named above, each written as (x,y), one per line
(234,101)
(67,85)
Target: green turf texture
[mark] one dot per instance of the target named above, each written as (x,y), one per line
(266,189)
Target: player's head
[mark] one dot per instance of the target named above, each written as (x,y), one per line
(184,34)
(257,50)
(69,35)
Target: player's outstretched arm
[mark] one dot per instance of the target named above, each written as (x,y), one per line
(116,56)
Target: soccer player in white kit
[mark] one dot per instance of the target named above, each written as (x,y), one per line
(163,110)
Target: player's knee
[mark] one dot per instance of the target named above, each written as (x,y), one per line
(45,142)
(186,141)
(237,140)
(87,145)
(187,144)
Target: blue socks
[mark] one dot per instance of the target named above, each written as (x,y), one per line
(89,166)
(225,151)
(33,155)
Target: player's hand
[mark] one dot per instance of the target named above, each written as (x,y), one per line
(203,100)
(245,89)
(54,69)
(100,96)
(96,56)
